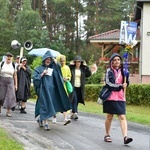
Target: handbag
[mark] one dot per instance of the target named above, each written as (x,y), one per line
(104,93)
(69,87)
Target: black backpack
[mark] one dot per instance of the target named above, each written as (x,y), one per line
(13,64)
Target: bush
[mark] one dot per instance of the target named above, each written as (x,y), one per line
(33,94)
(36,62)
(136,94)
(96,77)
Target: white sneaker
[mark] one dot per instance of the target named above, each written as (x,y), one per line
(75,116)
(46,127)
(66,121)
(54,120)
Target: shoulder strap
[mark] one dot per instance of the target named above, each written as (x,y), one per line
(13,64)
(2,64)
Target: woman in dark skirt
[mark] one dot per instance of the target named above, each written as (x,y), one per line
(116,103)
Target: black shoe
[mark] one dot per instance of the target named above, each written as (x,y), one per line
(127,140)
(22,110)
(13,108)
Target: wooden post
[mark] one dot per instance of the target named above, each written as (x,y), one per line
(21,52)
(125,81)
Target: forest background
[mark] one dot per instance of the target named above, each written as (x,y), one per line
(62,25)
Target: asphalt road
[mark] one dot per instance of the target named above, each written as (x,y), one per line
(84,134)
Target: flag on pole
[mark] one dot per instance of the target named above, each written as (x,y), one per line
(127,32)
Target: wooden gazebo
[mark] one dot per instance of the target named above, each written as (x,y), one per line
(109,41)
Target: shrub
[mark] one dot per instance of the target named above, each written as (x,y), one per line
(136,94)
(96,77)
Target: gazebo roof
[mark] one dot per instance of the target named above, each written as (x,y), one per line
(108,40)
(109,35)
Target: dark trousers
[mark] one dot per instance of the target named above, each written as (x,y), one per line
(76,97)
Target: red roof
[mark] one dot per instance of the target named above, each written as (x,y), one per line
(110,35)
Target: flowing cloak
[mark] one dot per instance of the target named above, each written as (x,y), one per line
(24,81)
(52,97)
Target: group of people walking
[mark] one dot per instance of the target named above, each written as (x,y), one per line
(15,79)
(49,81)
(51,89)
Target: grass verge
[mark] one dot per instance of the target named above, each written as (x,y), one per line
(7,142)
(138,114)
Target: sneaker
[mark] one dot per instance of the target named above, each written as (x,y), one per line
(40,122)
(46,127)
(54,120)
(75,116)
(67,121)
(18,105)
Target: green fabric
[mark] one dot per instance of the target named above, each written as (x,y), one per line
(69,87)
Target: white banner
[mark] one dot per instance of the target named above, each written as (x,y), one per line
(127,32)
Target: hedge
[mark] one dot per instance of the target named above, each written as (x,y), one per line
(136,94)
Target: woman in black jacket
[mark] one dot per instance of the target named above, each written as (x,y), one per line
(24,81)
(79,72)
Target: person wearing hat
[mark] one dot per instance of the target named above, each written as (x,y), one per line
(8,84)
(49,87)
(79,72)
(24,81)
(17,60)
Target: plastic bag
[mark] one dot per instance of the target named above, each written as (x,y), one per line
(69,87)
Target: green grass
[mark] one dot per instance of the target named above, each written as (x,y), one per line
(138,114)
(7,142)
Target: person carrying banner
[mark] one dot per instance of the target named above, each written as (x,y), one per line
(116,103)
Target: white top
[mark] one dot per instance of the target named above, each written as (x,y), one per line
(16,65)
(77,78)
(7,70)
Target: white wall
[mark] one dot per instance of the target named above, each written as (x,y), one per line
(145,41)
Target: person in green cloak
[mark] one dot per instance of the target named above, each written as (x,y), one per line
(49,86)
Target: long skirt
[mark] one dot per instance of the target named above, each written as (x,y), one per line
(7,92)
